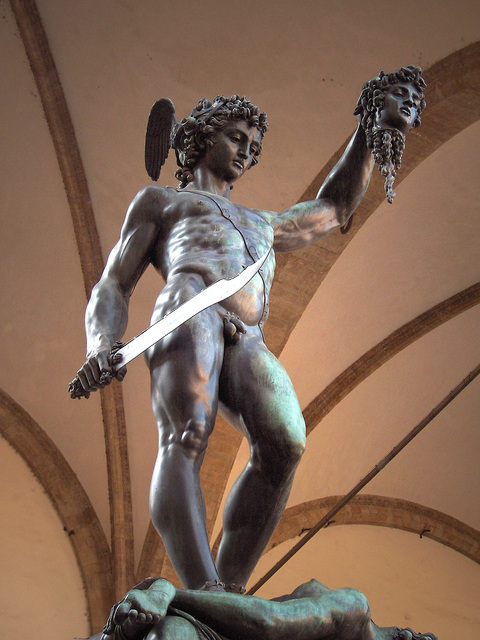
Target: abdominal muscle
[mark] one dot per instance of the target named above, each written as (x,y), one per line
(188,278)
(202,247)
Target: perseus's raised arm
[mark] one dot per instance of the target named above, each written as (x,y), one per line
(337,199)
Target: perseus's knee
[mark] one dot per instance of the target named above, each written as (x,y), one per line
(291,450)
(280,457)
(292,444)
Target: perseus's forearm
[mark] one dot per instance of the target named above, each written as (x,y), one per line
(106,315)
(346,184)
(337,199)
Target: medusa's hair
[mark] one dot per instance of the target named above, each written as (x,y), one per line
(194,133)
(387,145)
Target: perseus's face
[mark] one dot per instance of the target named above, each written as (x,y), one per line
(401,107)
(234,150)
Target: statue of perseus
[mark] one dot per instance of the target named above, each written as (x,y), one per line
(217,359)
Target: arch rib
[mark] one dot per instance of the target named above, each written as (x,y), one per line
(69,500)
(382,511)
(343,384)
(88,243)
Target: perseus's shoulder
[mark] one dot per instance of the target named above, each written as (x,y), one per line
(154,197)
(149,205)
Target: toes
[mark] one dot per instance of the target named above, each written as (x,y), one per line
(122,612)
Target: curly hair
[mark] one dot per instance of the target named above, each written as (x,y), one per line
(194,133)
(387,145)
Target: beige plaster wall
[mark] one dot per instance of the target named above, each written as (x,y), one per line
(409,581)
(41,589)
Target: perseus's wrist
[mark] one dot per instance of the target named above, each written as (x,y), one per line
(101,343)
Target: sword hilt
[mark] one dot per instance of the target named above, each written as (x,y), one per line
(75,388)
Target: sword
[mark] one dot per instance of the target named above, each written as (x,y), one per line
(122,354)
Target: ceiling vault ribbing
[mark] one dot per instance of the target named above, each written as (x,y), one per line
(375,357)
(70,500)
(71,167)
(382,511)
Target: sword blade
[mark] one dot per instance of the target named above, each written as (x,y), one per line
(213,294)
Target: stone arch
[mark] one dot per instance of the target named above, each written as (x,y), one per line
(382,511)
(70,502)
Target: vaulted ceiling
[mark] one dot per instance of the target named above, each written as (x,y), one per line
(375,327)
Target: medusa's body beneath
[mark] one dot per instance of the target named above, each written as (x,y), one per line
(195,236)
(155,610)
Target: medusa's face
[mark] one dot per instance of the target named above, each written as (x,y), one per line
(401,107)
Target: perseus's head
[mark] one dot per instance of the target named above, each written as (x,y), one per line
(393,100)
(195,133)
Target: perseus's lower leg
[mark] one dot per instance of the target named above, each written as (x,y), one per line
(184,372)
(256,389)
(252,511)
(178,513)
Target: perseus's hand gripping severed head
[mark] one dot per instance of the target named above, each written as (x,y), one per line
(193,136)
(389,106)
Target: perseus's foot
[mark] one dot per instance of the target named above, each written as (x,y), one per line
(213,585)
(233,587)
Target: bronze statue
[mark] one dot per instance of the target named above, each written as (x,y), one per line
(155,610)
(217,360)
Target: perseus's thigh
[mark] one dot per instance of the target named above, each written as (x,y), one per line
(257,394)
(185,368)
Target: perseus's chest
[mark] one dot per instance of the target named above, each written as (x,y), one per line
(216,220)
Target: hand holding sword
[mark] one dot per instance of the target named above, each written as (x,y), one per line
(100,369)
